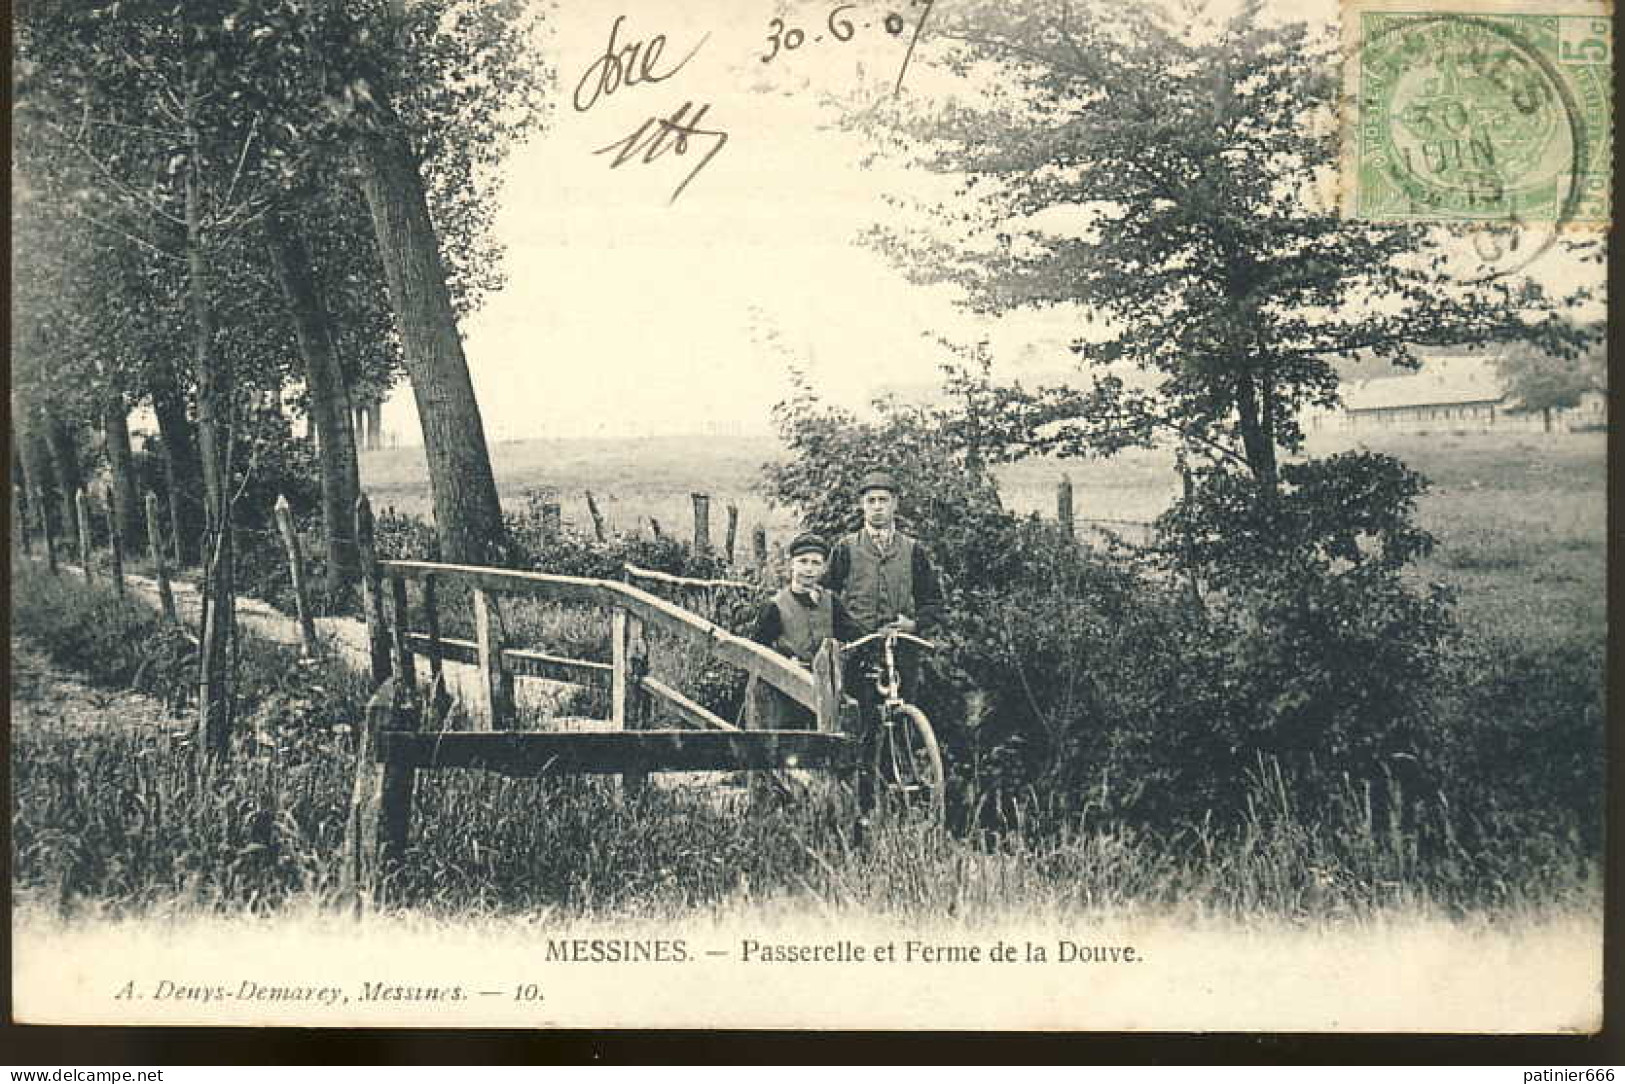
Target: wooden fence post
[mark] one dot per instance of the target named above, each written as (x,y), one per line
(758,546)
(732,534)
(597,518)
(552,521)
(175,531)
(50,536)
(81,506)
(155,543)
(1063,506)
(629,700)
(308,644)
(115,547)
(380,803)
(372,594)
(498,682)
(20,521)
(702,522)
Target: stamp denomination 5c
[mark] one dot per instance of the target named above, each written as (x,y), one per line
(1489,112)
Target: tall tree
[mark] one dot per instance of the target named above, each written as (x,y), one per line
(1168,178)
(400,77)
(328,398)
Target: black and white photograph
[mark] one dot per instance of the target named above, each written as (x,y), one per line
(951,515)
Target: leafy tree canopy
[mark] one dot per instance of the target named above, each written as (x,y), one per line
(1171,176)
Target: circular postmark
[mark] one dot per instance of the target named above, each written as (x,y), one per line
(1474,119)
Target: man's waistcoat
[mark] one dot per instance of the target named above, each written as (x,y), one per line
(804,627)
(879,586)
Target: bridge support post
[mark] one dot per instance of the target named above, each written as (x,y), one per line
(629,700)
(404,670)
(826,670)
(498,682)
(380,803)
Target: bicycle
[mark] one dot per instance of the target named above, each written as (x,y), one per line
(907,762)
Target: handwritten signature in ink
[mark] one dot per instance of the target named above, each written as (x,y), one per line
(657,135)
(625,65)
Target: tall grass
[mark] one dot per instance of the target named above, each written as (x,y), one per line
(119,815)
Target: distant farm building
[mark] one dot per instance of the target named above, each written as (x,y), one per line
(1452,395)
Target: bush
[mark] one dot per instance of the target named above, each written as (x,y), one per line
(1109,683)
(1522,743)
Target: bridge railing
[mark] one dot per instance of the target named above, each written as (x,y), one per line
(635,694)
(395,746)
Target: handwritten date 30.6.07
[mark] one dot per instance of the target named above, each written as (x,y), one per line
(657,135)
(841,28)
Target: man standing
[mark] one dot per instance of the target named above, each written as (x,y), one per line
(884,576)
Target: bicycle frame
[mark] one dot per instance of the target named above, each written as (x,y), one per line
(889,683)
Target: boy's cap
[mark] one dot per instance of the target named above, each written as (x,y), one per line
(877,479)
(807,542)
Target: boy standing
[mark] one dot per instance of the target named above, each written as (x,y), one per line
(802,616)
(804,613)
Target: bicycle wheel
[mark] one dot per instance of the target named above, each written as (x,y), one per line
(908,766)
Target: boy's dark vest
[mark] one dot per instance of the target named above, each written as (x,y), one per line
(879,586)
(804,627)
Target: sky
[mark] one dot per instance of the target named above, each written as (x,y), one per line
(628,313)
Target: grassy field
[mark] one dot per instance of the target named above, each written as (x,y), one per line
(1521,520)
(126,860)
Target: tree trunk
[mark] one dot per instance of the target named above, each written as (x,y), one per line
(329,397)
(182,469)
(214,386)
(1255,437)
(22,501)
(36,457)
(375,425)
(468,516)
(126,510)
(70,479)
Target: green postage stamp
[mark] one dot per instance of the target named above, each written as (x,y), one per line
(1493,112)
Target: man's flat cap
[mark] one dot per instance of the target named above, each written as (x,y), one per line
(877,479)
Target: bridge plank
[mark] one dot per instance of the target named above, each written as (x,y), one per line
(617,751)
(520,661)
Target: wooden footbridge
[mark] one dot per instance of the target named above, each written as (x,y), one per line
(652,726)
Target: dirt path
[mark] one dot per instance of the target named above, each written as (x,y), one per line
(346,638)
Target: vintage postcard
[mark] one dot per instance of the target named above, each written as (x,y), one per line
(894,514)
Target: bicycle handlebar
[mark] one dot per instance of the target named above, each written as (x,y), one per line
(883,634)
